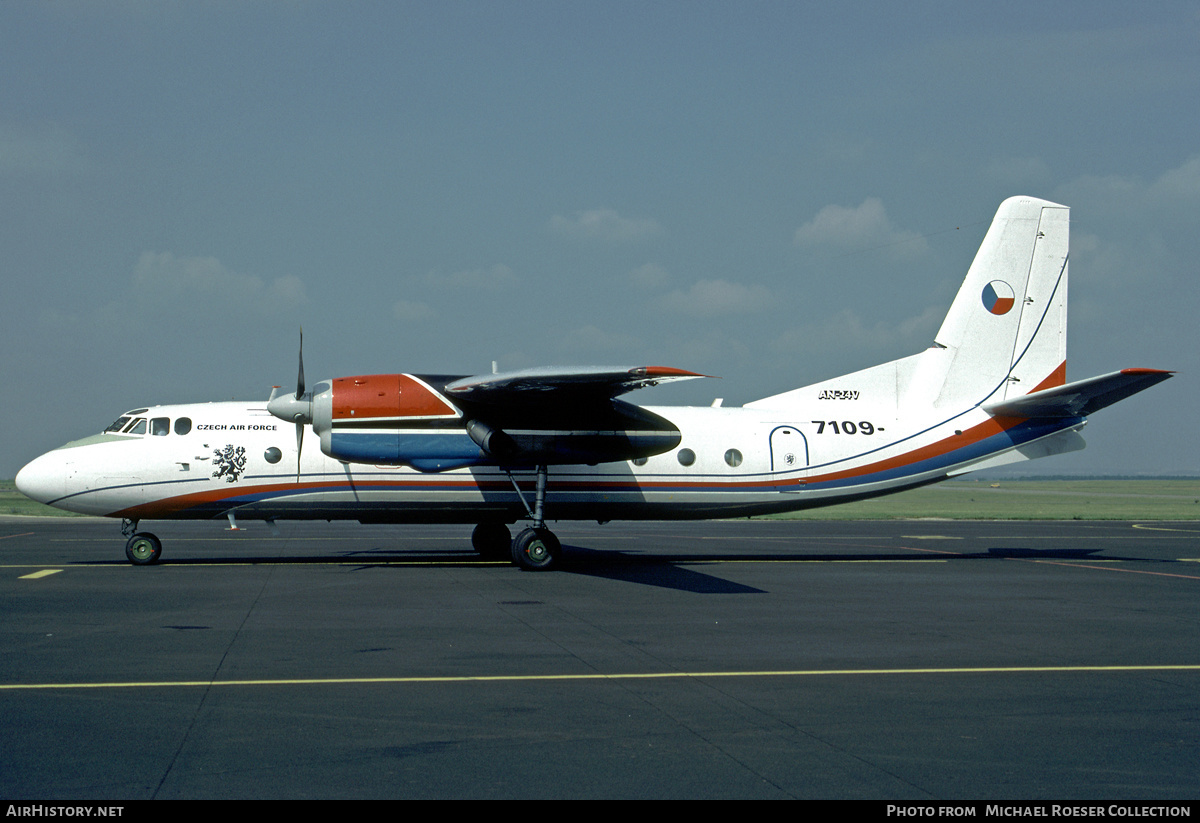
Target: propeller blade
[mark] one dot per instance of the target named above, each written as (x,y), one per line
(297,409)
(299,447)
(300,374)
(299,394)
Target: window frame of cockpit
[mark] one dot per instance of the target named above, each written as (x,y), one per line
(119,425)
(134,424)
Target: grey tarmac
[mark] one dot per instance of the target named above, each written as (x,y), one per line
(887,660)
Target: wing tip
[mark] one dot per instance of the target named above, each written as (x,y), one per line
(1166,372)
(664,371)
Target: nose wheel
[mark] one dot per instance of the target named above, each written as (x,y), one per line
(142,548)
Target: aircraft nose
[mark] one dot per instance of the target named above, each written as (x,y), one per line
(43,479)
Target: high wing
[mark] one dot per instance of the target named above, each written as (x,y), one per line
(560,415)
(1080,398)
(438,423)
(562,385)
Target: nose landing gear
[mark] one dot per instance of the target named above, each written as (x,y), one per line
(143,548)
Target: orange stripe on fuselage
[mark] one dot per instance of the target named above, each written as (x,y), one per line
(986,429)
(982,431)
(184,502)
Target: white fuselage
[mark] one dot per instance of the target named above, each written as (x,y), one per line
(235,458)
(991,389)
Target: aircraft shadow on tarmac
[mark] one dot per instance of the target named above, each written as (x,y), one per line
(664,571)
(669,570)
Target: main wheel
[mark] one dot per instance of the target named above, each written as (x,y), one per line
(143,549)
(492,540)
(536,550)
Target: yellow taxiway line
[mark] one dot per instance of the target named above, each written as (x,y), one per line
(530,678)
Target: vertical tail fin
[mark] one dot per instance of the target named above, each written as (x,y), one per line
(1004,336)
(1006,332)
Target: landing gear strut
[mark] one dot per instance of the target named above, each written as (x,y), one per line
(143,548)
(536,548)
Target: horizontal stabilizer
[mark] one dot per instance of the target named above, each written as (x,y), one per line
(1080,398)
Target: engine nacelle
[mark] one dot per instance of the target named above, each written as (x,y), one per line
(404,419)
(391,419)
(554,446)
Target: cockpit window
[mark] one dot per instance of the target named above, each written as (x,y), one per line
(183,425)
(117,425)
(139,427)
(160,426)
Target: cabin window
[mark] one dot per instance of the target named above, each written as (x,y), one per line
(117,425)
(272,455)
(639,461)
(686,457)
(183,425)
(733,457)
(160,426)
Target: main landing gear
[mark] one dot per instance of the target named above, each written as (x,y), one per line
(143,548)
(535,548)
(493,541)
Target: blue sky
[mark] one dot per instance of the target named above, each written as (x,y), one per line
(774,193)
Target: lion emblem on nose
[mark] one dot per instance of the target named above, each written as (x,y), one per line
(230,462)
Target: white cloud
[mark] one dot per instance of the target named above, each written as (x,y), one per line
(412,311)
(864,227)
(591,338)
(495,278)
(845,332)
(710,298)
(1182,183)
(162,275)
(1019,171)
(649,276)
(1127,229)
(604,224)
(288,290)
(1130,196)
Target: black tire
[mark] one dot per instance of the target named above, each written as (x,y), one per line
(536,550)
(492,540)
(143,549)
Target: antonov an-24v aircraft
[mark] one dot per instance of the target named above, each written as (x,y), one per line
(558,444)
